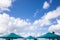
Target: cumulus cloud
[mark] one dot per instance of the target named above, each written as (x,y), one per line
(45,20)
(20,26)
(8,23)
(55,28)
(46,5)
(53,14)
(5,4)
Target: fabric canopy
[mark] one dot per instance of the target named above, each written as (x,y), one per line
(30,37)
(11,36)
(49,35)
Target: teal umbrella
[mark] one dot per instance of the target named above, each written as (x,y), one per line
(11,36)
(49,36)
(31,37)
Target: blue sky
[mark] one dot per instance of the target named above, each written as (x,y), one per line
(28,17)
(26,8)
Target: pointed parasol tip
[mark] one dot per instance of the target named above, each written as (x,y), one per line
(53,32)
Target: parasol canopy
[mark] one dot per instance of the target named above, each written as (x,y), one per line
(11,36)
(49,36)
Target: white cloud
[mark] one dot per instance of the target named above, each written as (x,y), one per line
(51,1)
(8,23)
(36,12)
(55,28)
(53,14)
(42,22)
(5,4)
(45,20)
(46,5)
